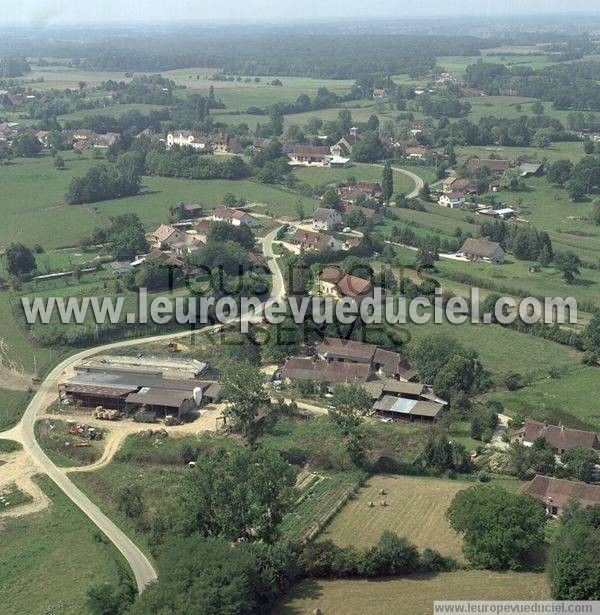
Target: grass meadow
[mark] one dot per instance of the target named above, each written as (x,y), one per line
(33,205)
(412,595)
(62,547)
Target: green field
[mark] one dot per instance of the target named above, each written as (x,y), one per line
(415,509)
(48,560)
(114,111)
(514,275)
(571,398)
(12,406)
(360,172)
(32,201)
(19,346)
(413,595)
(501,350)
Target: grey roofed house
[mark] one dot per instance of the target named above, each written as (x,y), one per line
(529,168)
(324,213)
(480,249)
(120,267)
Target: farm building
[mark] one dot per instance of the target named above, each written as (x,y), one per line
(555,493)
(128,389)
(495,166)
(456,184)
(369,213)
(559,437)
(344,146)
(191,210)
(482,250)
(383,362)
(296,369)
(529,169)
(408,409)
(310,155)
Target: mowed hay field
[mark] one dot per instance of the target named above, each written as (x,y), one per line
(415,509)
(411,595)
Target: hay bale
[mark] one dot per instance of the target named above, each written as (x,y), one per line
(383,503)
(382,492)
(370,504)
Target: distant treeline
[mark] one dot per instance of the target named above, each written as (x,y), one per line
(568,85)
(333,54)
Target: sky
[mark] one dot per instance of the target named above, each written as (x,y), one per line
(56,12)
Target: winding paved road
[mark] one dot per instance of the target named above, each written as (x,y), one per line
(419,183)
(142,569)
(23,432)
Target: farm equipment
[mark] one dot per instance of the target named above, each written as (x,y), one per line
(83,431)
(171,420)
(144,416)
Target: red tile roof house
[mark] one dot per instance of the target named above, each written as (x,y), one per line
(384,362)
(236,217)
(310,155)
(371,189)
(415,152)
(559,437)
(456,184)
(320,371)
(166,235)
(310,240)
(335,281)
(495,166)
(555,493)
